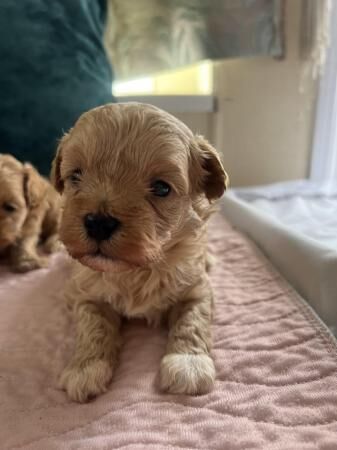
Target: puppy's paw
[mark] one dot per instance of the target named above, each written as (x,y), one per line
(187,374)
(85,383)
(210,261)
(28,263)
(52,245)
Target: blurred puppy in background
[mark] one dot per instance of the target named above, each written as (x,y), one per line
(29,214)
(138,188)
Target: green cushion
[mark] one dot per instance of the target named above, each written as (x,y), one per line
(53,68)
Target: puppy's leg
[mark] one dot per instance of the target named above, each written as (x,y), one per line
(23,253)
(51,242)
(187,367)
(98,341)
(210,261)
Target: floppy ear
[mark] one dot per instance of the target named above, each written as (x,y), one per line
(9,162)
(212,178)
(55,174)
(34,186)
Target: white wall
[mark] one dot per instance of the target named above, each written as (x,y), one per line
(200,123)
(265,114)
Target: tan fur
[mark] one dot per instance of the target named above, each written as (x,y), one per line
(35,214)
(154,266)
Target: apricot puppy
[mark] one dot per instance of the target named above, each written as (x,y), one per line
(29,214)
(138,188)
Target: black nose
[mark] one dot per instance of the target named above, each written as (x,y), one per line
(100,227)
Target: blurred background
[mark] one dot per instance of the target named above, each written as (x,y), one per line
(246,74)
(256,77)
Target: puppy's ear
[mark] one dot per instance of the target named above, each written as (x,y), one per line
(9,162)
(34,186)
(55,174)
(208,172)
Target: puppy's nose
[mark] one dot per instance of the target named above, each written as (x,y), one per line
(100,227)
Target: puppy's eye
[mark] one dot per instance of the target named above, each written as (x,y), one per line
(75,176)
(8,207)
(160,188)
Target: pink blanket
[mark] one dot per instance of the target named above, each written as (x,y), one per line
(276,367)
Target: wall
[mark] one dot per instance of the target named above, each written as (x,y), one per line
(264,122)
(199,123)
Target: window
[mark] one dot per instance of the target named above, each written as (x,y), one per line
(193,80)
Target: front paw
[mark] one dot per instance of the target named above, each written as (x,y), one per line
(85,382)
(187,373)
(53,245)
(27,263)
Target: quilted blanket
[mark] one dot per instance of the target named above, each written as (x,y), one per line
(276,368)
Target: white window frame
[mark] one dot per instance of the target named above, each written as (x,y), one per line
(324,153)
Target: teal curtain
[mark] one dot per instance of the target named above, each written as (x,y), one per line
(53,68)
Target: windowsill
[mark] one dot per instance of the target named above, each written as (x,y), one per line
(176,103)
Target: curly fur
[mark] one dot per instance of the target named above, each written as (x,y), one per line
(29,212)
(154,267)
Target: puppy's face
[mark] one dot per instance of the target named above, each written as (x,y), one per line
(130,176)
(13,208)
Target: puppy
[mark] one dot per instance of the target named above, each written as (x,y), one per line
(29,212)
(138,188)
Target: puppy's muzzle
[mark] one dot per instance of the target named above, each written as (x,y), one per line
(100,227)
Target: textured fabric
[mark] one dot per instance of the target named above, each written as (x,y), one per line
(276,369)
(53,68)
(307,264)
(307,207)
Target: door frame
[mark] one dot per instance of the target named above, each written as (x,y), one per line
(324,151)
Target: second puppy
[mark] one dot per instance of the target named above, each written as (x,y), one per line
(29,214)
